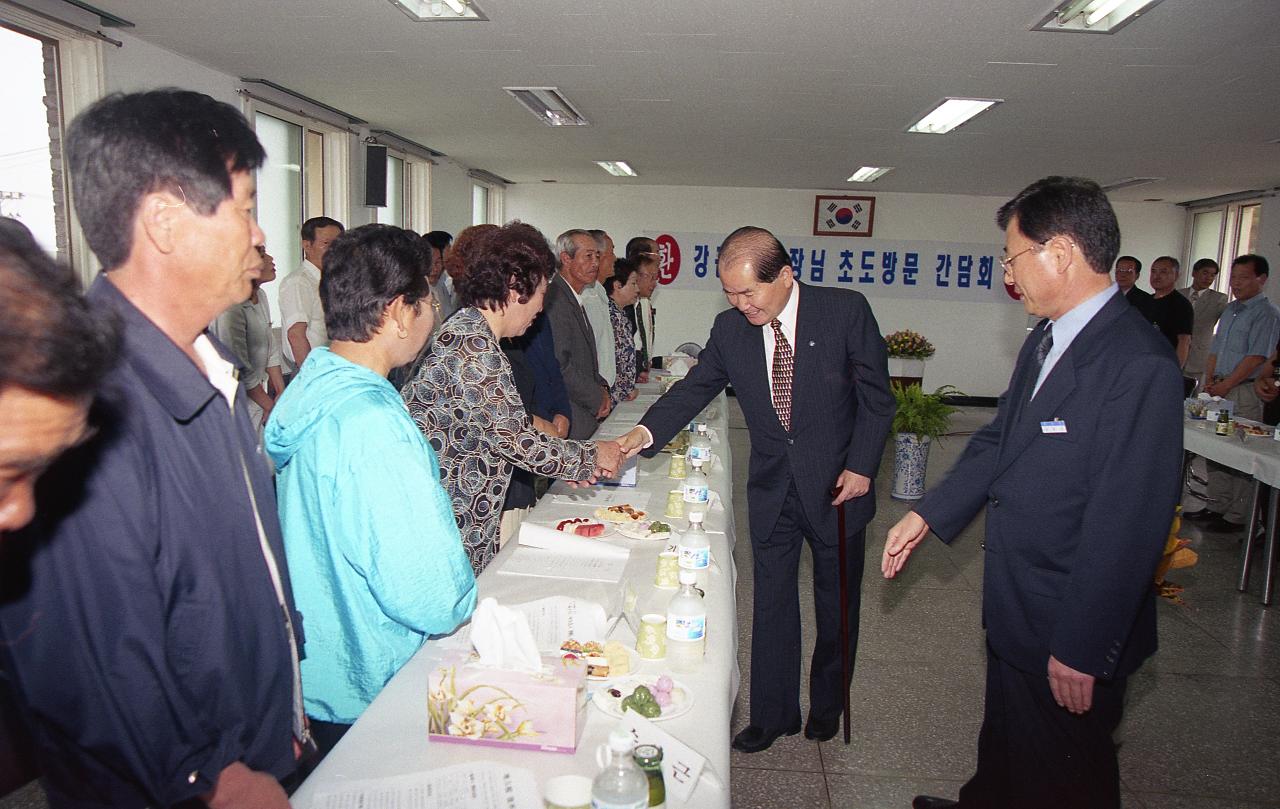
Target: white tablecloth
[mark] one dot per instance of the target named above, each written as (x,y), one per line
(391,737)
(1257,456)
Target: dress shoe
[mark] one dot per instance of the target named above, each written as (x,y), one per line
(928,802)
(1202,515)
(820,730)
(1221,526)
(753,739)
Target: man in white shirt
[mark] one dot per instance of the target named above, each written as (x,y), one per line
(596,302)
(301,315)
(1208,304)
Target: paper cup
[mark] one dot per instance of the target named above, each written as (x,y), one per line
(675,503)
(568,792)
(668,577)
(651,644)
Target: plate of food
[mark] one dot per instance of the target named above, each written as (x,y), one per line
(646,529)
(603,661)
(679,444)
(655,698)
(623,513)
(585,527)
(1255,430)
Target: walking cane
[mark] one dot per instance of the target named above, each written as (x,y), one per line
(844,623)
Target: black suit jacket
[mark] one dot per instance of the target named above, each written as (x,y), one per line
(1076,522)
(842,407)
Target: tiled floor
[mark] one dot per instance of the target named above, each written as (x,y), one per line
(1200,732)
(1202,726)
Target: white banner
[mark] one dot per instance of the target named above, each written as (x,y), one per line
(875,267)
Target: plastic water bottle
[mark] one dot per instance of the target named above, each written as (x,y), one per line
(695,549)
(686,625)
(697,489)
(620,784)
(700,445)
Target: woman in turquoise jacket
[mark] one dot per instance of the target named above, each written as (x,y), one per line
(374,553)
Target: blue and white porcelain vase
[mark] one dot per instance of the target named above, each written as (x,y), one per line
(910,457)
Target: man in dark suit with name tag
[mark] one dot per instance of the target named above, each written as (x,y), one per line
(809,368)
(1079,475)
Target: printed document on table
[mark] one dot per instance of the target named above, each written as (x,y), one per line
(527,561)
(475,785)
(553,619)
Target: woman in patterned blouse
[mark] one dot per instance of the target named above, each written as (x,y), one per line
(623,289)
(465,401)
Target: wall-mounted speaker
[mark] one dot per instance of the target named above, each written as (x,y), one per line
(375,175)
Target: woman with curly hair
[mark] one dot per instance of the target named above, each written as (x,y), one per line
(464,397)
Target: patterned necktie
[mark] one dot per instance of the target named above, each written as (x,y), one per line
(1044,347)
(783,365)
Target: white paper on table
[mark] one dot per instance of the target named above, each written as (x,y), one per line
(527,561)
(474,785)
(682,766)
(597,497)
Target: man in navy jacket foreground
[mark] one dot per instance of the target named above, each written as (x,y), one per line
(1079,476)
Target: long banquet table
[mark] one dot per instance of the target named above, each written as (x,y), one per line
(1258,457)
(391,738)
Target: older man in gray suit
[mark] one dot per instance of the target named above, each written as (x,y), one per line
(1208,304)
(574,338)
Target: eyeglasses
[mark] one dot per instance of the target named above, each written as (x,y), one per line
(1007,262)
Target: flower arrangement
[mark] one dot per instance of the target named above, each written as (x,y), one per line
(467,716)
(909,345)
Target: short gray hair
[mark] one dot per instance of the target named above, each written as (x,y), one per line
(1177,265)
(565,242)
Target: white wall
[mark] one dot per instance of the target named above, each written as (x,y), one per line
(450,197)
(976,343)
(139,65)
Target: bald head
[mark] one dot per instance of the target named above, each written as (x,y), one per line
(757,249)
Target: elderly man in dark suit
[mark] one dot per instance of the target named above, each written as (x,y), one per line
(809,368)
(1079,477)
(574,338)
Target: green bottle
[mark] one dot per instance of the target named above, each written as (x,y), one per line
(649,758)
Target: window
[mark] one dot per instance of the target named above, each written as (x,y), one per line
(31,182)
(304,176)
(396,211)
(479,204)
(52,72)
(1221,233)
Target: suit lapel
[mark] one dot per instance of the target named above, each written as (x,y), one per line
(1059,384)
(803,356)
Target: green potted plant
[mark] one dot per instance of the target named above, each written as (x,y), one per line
(920,418)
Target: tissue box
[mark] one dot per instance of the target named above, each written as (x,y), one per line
(472,704)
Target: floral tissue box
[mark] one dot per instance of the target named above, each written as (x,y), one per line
(474,704)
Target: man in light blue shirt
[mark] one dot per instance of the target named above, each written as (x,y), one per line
(1247,334)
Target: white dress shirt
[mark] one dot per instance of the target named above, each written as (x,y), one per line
(300,303)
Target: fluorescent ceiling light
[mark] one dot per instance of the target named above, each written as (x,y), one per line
(869,174)
(951,113)
(434,10)
(1093,16)
(549,104)
(1130,182)
(617,168)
